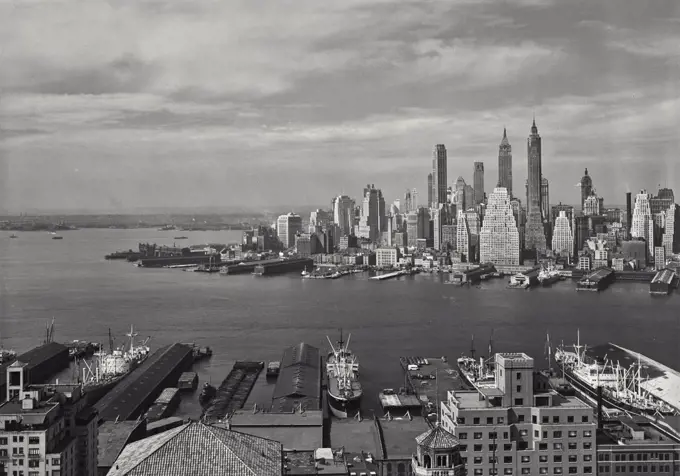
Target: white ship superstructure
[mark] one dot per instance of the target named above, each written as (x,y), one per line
(478,373)
(344,388)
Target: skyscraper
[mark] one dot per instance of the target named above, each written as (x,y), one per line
(591,206)
(499,238)
(372,222)
(287,226)
(430,191)
(469,197)
(563,238)
(643,224)
(463,236)
(567,209)
(586,189)
(459,194)
(505,164)
(671,235)
(343,214)
(478,180)
(535,232)
(439,174)
(545,198)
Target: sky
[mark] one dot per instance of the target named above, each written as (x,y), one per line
(114,106)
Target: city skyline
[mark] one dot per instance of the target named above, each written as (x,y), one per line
(174,113)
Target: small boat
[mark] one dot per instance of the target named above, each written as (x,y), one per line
(207,394)
(57,237)
(13,236)
(273,369)
(181,238)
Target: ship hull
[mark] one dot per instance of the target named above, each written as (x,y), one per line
(96,392)
(549,281)
(607,399)
(342,407)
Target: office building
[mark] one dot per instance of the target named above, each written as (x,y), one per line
(469,200)
(535,231)
(505,164)
(545,199)
(440,217)
(520,214)
(567,209)
(407,205)
(659,257)
(563,238)
(474,223)
(372,222)
(386,257)
(581,232)
(449,237)
(591,206)
(499,237)
(519,425)
(643,224)
(343,214)
(585,263)
(613,215)
(459,194)
(463,237)
(662,201)
(586,189)
(287,226)
(478,181)
(439,183)
(430,190)
(671,235)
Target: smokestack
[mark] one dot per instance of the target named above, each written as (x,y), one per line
(629,213)
(599,408)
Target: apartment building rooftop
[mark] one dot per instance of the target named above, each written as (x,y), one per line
(634,430)
(486,398)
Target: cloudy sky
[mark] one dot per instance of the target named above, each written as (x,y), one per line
(186,103)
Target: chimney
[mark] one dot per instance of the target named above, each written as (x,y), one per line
(599,408)
(629,213)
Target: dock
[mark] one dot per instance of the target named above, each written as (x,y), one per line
(432,380)
(43,362)
(282,267)
(246,267)
(137,391)
(401,401)
(663,282)
(596,281)
(393,274)
(234,391)
(161,262)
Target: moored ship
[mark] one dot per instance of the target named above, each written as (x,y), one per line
(549,276)
(7,356)
(478,373)
(344,389)
(109,368)
(624,386)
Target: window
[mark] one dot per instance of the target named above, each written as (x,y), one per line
(557,470)
(573,470)
(505,435)
(478,448)
(545,435)
(493,447)
(3,441)
(587,458)
(526,470)
(573,458)
(34,451)
(572,446)
(463,448)
(479,472)
(493,435)
(570,419)
(462,436)
(519,401)
(500,420)
(543,446)
(588,469)
(507,471)
(545,419)
(520,418)
(584,419)
(523,432)
(489,420)
(519,375)
(507,447)
(33,440)
(475,420)
(507,459)
(537,434)
(34,463)
(542,470)
(587,434)
(460,420)
(556,419)
(557,459)
(534,420)
(587,446)
(543,459)
(519,389)
(572,434)
(558,446)
(557,434)
(478,436)
(493,460)
(526,459)
(477,460)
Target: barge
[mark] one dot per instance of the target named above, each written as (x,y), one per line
(164,406)
(234,390)
(188,381)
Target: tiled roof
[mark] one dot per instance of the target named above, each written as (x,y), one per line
(437,439)
(199,449)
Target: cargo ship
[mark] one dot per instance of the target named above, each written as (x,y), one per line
(478,373)
(344,388)
(621,378)
(109,368)
(548,276)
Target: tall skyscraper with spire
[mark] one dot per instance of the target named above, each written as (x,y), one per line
(505,164)
(586,189)
(430,190)
(439,174)
(535,231)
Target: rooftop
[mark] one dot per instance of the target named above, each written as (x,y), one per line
(355,436)
(305,462)
(41,354)
(297,419)
(437,438)
(111,440)
(196,448)
(633,431)
(399,436)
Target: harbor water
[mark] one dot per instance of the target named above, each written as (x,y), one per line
(244,317)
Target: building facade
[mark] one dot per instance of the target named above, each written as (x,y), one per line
(505,164)
(671,234)
(373,222)
(591,206)
(287,227)
(586,189)
(439,183)
(463,237)
(449,237)
(343,214)
(519,426)
(386,257)
(535,231)
(478,181)
(430,190)
(563,238)
(642,225)
(499,237)
(567,209)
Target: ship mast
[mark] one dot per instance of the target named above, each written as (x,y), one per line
(472,347)
(132,334)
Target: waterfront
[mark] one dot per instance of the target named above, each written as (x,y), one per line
(244,317)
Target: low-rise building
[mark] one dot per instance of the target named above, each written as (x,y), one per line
(386,257)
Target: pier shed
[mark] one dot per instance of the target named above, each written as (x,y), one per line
(299,381)
(43,362)
(475,275)
(112,437)
(596,281)
(662,282)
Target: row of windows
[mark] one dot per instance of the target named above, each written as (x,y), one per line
(534,419)
(570,470)
(32,440)
(527,459)
(558,434)
(635,457)
(640,469)
(541,447)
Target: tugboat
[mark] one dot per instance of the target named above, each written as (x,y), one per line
(344,388)
(13,235)
(207,395)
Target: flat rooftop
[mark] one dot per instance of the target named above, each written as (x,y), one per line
(618,432)
(355,436)
(399,436)
(304,462)
(665,276)
(14,408)
(111,440)
(293,438)
(448,378)
(245,418)
(471,400)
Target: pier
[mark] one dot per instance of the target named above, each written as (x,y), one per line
(234,391)
(284,266)
(383,277)
(596,281)
(663,281)
(246,267)
(178,260)
(137,391)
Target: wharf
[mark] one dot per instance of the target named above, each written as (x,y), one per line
(402,401)
(42,363)
(234,391)
(663,282)
(432,381)
(137,391)
(636,276)
(246,267)
(393,274)
(285,266)
(175,260)
(596,281)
